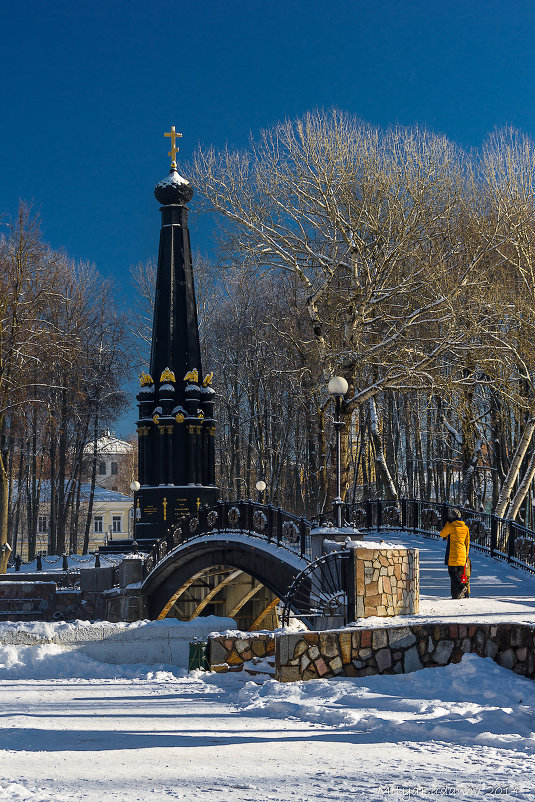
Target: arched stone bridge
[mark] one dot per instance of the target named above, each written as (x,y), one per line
(238,559)
(233,558)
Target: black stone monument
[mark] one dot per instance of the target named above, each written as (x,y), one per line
(176,425)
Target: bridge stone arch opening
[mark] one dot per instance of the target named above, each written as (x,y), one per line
(226,592)
(234,575)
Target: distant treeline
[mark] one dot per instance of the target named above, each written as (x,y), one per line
(65,352)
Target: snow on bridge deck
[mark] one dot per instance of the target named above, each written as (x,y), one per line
(499,591)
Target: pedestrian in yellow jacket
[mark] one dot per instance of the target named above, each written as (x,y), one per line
(457,550)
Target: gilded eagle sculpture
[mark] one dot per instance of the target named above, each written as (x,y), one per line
(145,379)
(167,376)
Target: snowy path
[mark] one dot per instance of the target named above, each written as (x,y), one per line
(498,590)
(99,733)
(467,727)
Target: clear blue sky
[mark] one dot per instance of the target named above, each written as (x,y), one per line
(88,88)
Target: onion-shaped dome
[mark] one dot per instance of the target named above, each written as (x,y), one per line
(173,189)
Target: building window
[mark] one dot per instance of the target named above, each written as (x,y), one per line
(116,523)
(42,524)
(114,469)
(102,469)
(97,521)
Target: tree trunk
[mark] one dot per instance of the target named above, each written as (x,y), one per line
(89,516)
(523,488)
(62,459)
(52,526)
(497,462)
(5,548)
(512,474)
(16,517)
(322,448)
(380,461)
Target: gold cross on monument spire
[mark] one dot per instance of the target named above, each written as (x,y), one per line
(174,149)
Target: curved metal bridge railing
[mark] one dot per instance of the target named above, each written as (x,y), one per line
(499,537)
(264,521)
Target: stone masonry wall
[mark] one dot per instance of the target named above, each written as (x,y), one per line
(42,601)
(387,581)
(231,653)
(401,650)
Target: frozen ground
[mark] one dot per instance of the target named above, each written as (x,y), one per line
(100,732)
(141,733)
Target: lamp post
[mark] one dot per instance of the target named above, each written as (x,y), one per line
(337,389)
(134,487)
(260,486)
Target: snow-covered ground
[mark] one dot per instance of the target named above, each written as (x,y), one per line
(142,733)
(99,732)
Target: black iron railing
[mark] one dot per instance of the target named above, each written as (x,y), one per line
(500,537)
(264,521)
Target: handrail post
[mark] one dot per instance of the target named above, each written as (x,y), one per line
(203,519)
(403,513)
(444,513)
(493,534)
(415,515)
(511,541)
(369,514)
(350,588)
(302,536)
(270,522)
(379,514)
(279,526)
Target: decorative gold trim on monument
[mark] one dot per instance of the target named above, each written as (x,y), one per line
(192,376)
(167,376)
(145,379)
(207,381)
(180,418)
